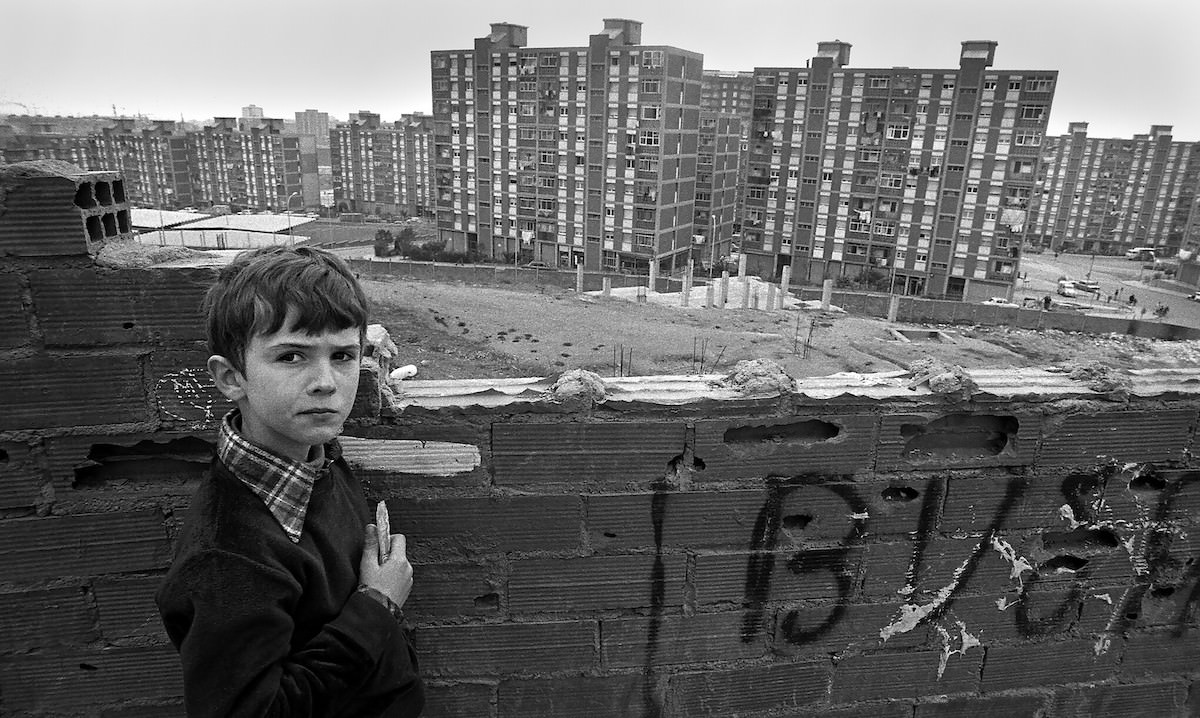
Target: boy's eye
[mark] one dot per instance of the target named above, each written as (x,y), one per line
(344,356)
(290,357)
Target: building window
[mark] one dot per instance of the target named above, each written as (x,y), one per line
(1028,139)
(548,60)
(989,85)
(1014,85)
(643,240)
(651,86)
(879,82)
(1033,112)
(649,138)
(650,112)
(1039,84)
(897,132)
(652,58)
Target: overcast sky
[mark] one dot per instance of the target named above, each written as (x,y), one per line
(1123,66)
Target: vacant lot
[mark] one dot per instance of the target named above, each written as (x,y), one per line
(455,331)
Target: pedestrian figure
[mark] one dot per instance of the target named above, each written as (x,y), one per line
(1132,301)
(1046,302)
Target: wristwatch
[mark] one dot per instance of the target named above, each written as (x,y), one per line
(383,600)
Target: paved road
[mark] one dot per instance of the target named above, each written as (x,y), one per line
(1042,272)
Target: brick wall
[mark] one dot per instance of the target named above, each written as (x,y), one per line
(682,548)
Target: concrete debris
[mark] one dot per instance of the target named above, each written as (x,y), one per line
(130,254)
(945,379)
(760,376)
(1100,377)
(382,346)
(579,383)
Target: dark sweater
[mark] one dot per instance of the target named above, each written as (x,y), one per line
(267,627)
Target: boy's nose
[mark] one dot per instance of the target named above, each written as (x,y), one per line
(323,380)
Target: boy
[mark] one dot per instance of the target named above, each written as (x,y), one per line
(280,601)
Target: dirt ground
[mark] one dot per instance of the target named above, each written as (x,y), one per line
(456,331)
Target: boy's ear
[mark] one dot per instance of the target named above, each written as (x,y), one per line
(229,381)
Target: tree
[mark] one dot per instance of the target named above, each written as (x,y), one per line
(383,243)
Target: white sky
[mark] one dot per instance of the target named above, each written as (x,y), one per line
(1123,66)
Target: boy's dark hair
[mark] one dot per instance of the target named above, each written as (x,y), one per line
(253,293)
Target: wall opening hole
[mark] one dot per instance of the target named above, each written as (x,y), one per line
(959,436)
(87,667)
(609,534)
(1147,482)
(3,457)
(1162,591)
(182,459)
(800,433)
(796,522)
(119,191)
(84,199)
(110,225)
(94,229)
(127,325)
(899,493)
(104,193)
(488,601)
(678,464)
(1065,562)
(123,221)
(1081,538)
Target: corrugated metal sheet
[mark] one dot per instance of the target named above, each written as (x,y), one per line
(427,458)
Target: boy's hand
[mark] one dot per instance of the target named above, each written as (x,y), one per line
(394,577)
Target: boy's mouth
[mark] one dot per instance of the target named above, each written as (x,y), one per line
(319,411)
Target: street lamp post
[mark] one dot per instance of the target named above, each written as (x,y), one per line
(287,209)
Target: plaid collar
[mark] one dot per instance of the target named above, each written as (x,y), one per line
(284,485)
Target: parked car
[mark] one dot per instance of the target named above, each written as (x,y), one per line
(1195,296)
(998,302)
(537,265)
(1089,287)
(1067,288)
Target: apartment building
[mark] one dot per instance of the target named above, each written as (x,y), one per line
(316,167)
(717,165)
(1107,195)
(258,166)
(381,168)
(27,138)
(733,93)
(912,180)
(568,155)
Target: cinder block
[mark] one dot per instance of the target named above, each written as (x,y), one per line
(1125,436)
(368,400)
(619,695)
(86,678)
(1161,653)
(825,574)
(14,318)
(911,674)
(684,519)
(962,566)
(957,440)
(52,391)
(458,699)
(808,631)
(444,589)
(82,545)
(989,707)
(46,618)
(575,453)
(494,524)
(1049,663)
(788,447)
(97,307)
(438,462)
(158,709)
(1141,699)
(778,686)
(674,639)
(874,709)
(40,217)
(503,649)
(596,583)
(127,609)
(21,476)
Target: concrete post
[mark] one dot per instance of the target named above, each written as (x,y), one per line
(754,300)
(708,295)
(653,282)
(724,296)
(579,278)
(770,296)
(606,286)
(686,295)
(742,264)
(745,292)
(893,308)
(826,293)
(785,286)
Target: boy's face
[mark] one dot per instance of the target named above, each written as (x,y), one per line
(297,389)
